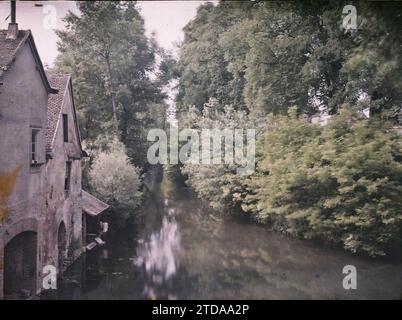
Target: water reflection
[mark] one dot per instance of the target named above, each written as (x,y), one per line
(158,255)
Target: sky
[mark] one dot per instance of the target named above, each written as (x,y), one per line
(165,18)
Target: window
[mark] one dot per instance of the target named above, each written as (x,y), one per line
(67,180)
(34,146)
(65,127)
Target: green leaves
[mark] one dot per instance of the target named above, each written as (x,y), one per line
(111,59)
(282,62)
(341,182)
(114,179)
(266,57)
(219,184)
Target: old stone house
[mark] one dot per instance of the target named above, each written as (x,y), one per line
(39,134)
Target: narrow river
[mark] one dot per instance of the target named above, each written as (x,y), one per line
(185,250)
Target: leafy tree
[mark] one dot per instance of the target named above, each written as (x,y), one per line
(112,62)
(220,184)
(204,71)
(249,55)
(373,67)
(114,178)
(268,56)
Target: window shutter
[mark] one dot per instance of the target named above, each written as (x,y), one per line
(65,127)
(41,147)
(37,150)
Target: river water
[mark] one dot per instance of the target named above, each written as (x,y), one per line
(185,250)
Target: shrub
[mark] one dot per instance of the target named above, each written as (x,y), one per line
(115,179)
(341,182)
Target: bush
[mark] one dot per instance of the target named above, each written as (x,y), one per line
(219,184)
(341,182)
(115,179)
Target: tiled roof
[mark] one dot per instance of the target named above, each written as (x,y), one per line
(92,205)
(54,105)
(9,48)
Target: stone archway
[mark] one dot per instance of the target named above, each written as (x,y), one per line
(20,256)
(62,247)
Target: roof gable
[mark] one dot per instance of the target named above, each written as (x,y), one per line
(9,49)
(62,82)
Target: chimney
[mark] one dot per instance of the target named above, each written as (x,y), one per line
(12,32)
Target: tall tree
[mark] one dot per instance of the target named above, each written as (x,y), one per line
(269,56)
(113,63)
(204,71)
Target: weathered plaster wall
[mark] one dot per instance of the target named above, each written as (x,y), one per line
(38,202)
(61,206)
(23,101)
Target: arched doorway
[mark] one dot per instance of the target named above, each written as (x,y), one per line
(20,264)
(61,247)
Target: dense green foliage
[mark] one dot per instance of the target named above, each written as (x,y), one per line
(268,56)
(114,179)
(112,62)
(216,182)
(271,65)
(341,182)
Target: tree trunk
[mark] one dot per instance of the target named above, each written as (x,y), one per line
(112,97)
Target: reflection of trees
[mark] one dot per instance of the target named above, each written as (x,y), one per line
(222,257)
(158,254)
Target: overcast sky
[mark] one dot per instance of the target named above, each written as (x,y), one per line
(165,18)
